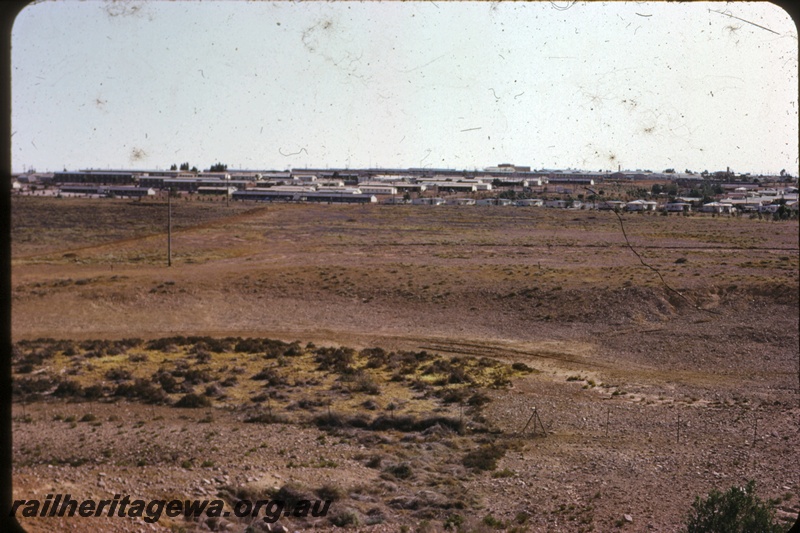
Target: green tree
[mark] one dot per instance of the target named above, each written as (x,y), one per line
(184,166)
(218,167)
(738,510)
(173,167)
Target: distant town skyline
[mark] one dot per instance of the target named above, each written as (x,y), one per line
(460,85)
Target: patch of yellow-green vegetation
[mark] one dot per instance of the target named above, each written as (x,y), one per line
(266,380)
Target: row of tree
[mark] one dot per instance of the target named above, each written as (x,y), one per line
(216,167)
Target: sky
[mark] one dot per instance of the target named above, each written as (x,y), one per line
(130,84)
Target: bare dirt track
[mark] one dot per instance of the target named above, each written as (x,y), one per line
(652,392)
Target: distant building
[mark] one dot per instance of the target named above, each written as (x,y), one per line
(641,205)
(377,189)
(427,201)
(717,207)
(130,192)
(678,207)
(530,202)
(96,177)
(494,201)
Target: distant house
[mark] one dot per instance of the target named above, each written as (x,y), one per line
(690,200)
(427,201)
(493,201)
(460,201)
(396,200)
(610,205)
(641,205)
(717,207)
(329,184)
(410,187)
(678,207)
(530,202)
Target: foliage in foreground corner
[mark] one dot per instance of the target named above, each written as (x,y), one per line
(738,510)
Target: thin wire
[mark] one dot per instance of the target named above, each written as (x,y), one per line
(663,281)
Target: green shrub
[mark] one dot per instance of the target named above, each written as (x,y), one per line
(738,510)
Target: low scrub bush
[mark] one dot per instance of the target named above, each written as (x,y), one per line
(376,357)
(32,386)
(271,376)
(478,399)
(142,389)
(338,420)
(738,510)
(193,401)
(344,518)
(292,493)
(94,392)
(331,492)
(197,376)
(400,470)
(266,418)
(118,374)
(167,381)
(405,423)
(521,367)
(269,347)
(334,359)
(365,383)
(485,457)
(68,389)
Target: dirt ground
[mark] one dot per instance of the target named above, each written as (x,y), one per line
(665,351)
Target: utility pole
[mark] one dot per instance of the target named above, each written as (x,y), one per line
(169,227)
